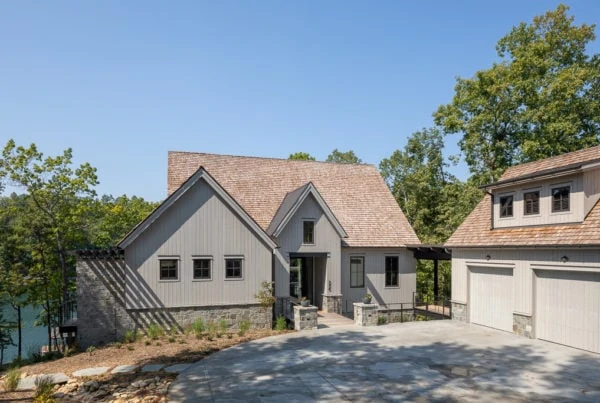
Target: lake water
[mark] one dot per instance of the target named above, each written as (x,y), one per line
(33,336)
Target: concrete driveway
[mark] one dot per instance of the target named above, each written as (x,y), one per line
(418,361)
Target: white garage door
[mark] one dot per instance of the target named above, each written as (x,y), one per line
(567,308)
(491,297)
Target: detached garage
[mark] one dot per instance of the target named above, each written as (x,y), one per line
(527,258)
(567,308)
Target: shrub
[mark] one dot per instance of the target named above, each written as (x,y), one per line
(265,295)
(212,329)
(43,389)
(198,327)
(222,327)
(11,380)
(130,336)
(174,331)
(381,320)
(244,327)
(147,342)
(280,324)
(155,331)
(171,339)
(130,348)
(90,350)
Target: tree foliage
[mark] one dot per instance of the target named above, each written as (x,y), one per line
(347,157)
(301,156)
(542,98)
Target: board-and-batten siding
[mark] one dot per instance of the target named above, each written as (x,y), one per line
(591,186)
(546,216)
(327,240)
(374,260)
(198,224)
(523,262)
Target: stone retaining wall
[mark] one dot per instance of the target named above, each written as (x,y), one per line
(365,314)
(305,317)
(332,303)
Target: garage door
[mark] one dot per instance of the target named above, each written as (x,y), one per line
(491,297)
(568,308)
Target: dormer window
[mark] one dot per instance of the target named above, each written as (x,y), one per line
(560,199)
(506,206)
(308,236)
(531,203)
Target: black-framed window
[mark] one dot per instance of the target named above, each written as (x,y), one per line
(357,271)
(202,269)
(308,233)
(506,206)
(233,268)
(169,269)
(560,198)
(531,203)
(391,271)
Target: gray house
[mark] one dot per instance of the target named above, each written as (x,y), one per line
(527,259)
(328,232)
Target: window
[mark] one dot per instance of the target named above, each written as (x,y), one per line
(168,269)
(531,203)
(202,269)
(506,206)
(560,198)
(233,268)
(391,271)
(357,272)
(309,232)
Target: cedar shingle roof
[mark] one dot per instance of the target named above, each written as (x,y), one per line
(475,230)
(355,193)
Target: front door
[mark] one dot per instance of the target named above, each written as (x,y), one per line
(302,278)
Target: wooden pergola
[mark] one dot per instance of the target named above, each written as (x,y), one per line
(435,253)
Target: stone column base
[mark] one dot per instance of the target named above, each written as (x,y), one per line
(459,311)
(305,317)
(332,303)
(365,314)
(523,325)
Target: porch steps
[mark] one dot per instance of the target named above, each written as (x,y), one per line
(329,319)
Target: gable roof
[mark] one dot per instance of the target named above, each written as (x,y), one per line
(355,193)
(199,174)
(564,163)
(292,201)
(475,230)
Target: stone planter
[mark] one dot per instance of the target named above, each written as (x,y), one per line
(305,303)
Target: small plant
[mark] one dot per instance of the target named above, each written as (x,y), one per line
(11,380)
(118,345)
(230,335)
(171,339)
(155,331)
(174,331)
(280,324)
(222,327)
(130,347)
(381,320)
(90,350)
(265,295)
(182,341)
(367,298)
(43,389)
(198,327)
(147,342)
(158,344)
(304,301)
(130,336)
(244,327)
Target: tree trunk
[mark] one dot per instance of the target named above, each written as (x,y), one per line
(20,329)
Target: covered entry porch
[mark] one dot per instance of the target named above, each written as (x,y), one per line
(308,277)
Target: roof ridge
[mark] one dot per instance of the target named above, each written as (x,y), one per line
(564,155)
(271,158)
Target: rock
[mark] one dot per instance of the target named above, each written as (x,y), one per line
(90,386)
(58,395)
(91,371)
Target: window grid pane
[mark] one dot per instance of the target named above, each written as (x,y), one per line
(202,269)
(506,206)
(532,203)
(309,232)
(233,268)
(560,199)
(168,269)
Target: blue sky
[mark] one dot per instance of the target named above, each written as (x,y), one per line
(122,83)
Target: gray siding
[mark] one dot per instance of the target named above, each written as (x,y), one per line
(327,240)
(375,276)
(523,262)
(198,224)
(591,185)
(546,216)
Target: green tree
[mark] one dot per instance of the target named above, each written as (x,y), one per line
(434,201)
(347,157)
(59,192)
(5,335)
(301,156)
(542,97)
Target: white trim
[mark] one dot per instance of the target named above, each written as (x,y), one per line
(310,189)
(201,173)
